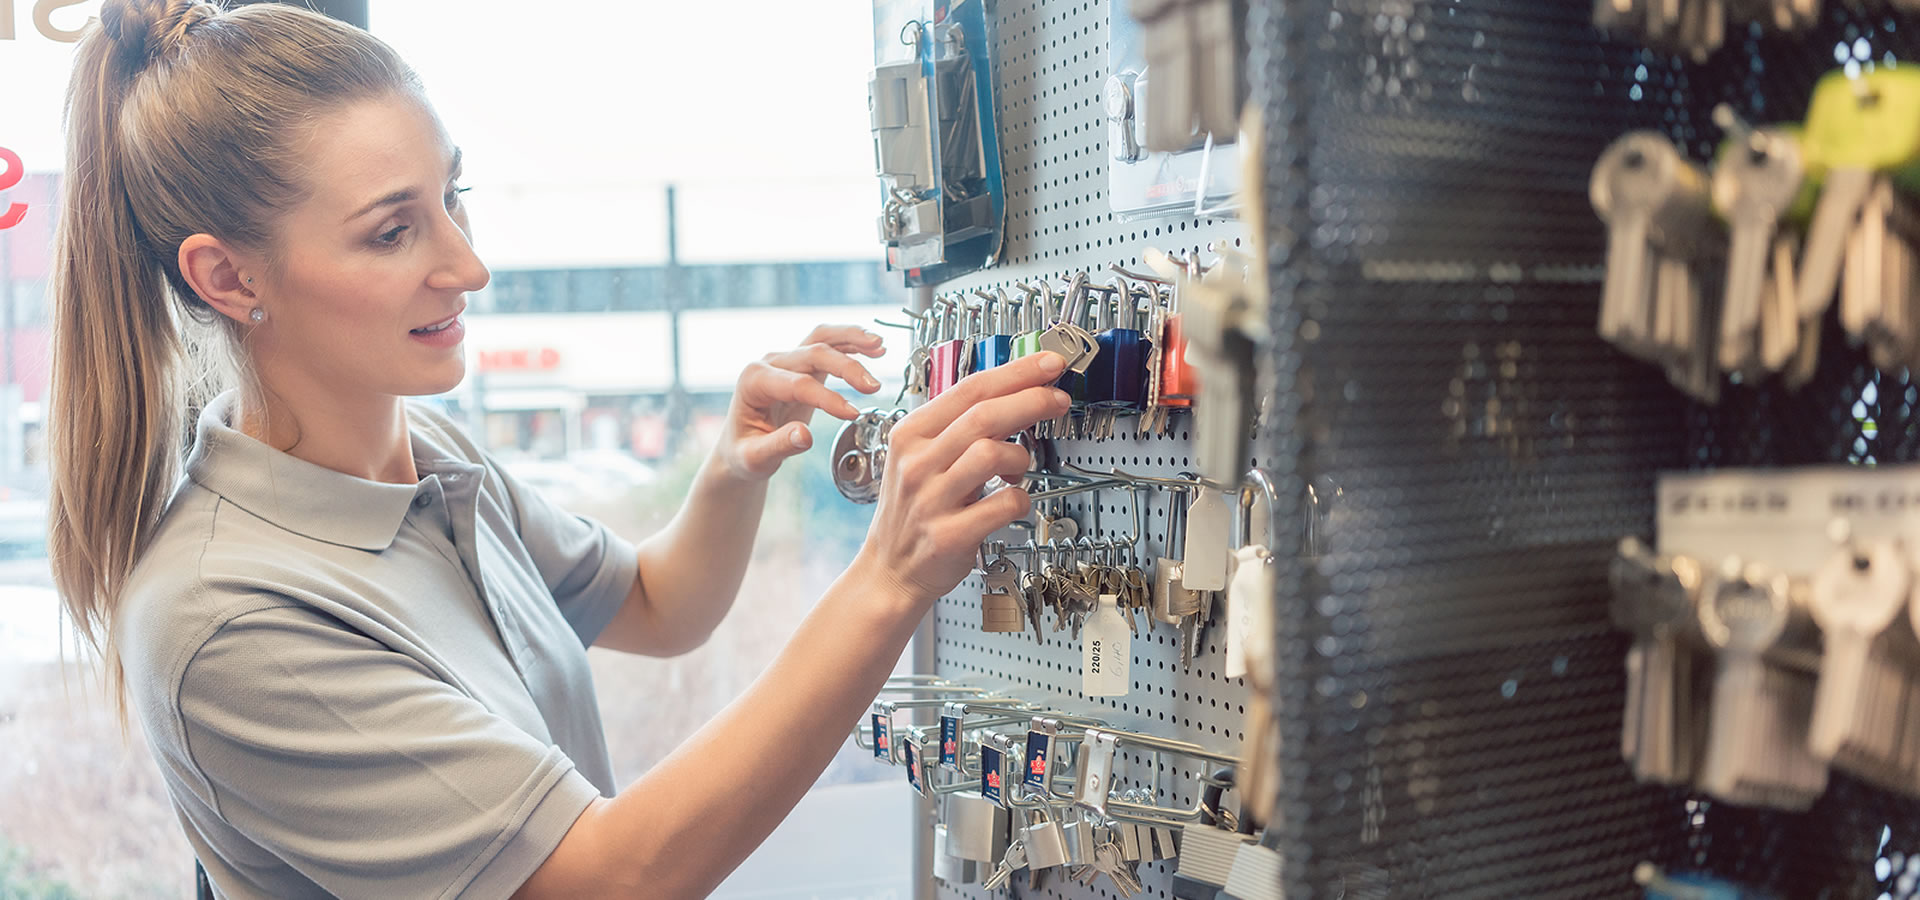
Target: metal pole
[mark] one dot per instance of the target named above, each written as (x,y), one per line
(679,413)
(922,653)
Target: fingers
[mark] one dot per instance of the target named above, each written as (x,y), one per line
(848,338)
(982,460)
(1026,372)
(762,454)
(978,522)
(782,385)
(821,358)
(998,418)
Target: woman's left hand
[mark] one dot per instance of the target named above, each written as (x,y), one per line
(775,397)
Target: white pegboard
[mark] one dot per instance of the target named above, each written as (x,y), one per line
(1051,66)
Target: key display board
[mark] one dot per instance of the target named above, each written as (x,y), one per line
(1450,687)
(1052,65)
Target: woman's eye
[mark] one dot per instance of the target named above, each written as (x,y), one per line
(453,196)
(390,238)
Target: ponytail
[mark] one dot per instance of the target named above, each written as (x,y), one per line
(182,119)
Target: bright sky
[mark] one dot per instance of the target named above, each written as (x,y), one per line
(574,116)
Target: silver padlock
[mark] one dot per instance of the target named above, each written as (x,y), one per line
(1255,875)
(1078,831)
(948,867)
(976,828)
(1046,843)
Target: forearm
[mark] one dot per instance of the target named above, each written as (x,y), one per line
(679,830)
(690,571)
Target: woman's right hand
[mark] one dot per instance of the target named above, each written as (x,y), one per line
(931,518)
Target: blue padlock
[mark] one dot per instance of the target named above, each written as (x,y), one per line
(995,348)
(1118,377)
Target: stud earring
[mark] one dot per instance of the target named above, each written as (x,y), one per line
(257,315)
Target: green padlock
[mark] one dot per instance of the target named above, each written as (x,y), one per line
(1033,313)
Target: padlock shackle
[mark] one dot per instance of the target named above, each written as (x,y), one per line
(1255,486)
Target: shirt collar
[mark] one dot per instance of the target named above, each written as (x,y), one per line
(303,497)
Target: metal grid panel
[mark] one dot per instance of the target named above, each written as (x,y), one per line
(1452,686)
(1052,63)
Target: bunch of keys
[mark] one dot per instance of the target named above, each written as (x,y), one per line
(1660,238)
(1698,28)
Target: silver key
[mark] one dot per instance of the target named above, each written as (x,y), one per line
(1842,197)
(1014,861)
(1654,599)
(1647,193)
(1862,694)
(1780,319)
(1109,861)
(1754,185)
(1756,752)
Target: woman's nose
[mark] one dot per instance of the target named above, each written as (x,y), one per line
(460,269)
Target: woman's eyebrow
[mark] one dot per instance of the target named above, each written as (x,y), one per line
(404,196)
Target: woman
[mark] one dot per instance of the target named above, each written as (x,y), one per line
(356,645)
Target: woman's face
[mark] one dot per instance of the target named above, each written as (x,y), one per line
(374,267)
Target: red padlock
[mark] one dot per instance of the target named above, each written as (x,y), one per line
(1177,383)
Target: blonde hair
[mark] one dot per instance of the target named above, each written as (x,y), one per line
(182,119)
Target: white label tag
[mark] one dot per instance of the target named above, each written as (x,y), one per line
(1206,553)
(1106,651)
(1780,516)
(1251,589)
(1249,613)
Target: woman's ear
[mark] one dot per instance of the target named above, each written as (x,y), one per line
(216,272)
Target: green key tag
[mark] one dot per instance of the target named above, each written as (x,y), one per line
(1867,122)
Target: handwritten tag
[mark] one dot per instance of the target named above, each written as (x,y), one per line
(1106,651)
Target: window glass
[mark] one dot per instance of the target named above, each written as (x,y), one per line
(576,121)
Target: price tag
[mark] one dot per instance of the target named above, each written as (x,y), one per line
(913,768)
(1249,607)
(1206,545)
(990,768)
(950,742)
(882,739)
(1039,748)
(1106,651)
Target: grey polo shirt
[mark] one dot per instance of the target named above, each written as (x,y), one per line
(365,689)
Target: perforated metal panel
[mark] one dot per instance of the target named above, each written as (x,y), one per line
(1052,65)
(1452,688)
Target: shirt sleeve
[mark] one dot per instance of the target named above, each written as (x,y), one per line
(362,770)
(589,569)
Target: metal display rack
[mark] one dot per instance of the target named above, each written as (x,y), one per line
(1450,686)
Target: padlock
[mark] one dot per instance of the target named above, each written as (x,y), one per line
(945,352)
(995,347)
(1176,377)
(1035,308)
(1118,378)
(1046,842)
(947,867)
(1255,875)
(976,828)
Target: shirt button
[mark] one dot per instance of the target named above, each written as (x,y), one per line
(421,501)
